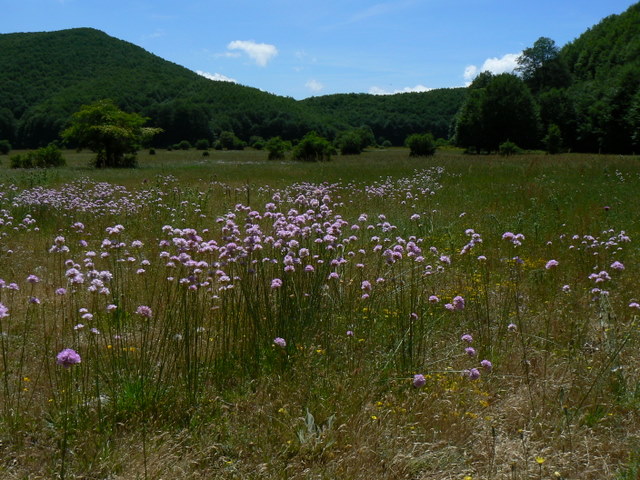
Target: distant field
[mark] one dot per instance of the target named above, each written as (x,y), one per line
(373,317)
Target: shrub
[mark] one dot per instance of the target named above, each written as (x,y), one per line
(277,148)
(509,148)
(203,144)
(257,142)
(5,147)
(229,141)
(45,157)
(183,145)
(350,143)
(152,151)
(553,140)
(205,153)
(421,145)
(313,148)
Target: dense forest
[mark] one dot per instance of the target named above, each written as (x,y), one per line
(45,77)
(584,96)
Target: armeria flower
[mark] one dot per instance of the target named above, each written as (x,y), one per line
(617,266)
(61,291)
(487,365)
(566,288)
(280,342)
(466,338)
(4,311)
(350,333)
(111,308)
(276,283)
(68,357)
(458,303)
(33,279)
(512,327)
(419,380)
(144,311)
(34,300)
(632,305)
(470,351)
(433,299)
(551,264)
(473,373)
(366,286)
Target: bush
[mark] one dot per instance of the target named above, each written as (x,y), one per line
(421,145)
(257,142)
(183,145)
(5,147)
(277,148)
(45,157)
(313,148)
(152,151)
(350,143)
(205,153)
(229,141)
(553,140)
(203,144)
(386,144)
(509,148)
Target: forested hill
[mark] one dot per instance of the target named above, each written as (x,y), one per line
(45,77)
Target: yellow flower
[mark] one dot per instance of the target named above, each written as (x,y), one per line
(540,460)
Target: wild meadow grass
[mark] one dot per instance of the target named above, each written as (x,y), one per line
(372,317)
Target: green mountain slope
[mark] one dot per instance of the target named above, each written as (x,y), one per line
(45,77)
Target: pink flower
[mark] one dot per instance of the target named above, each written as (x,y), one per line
(280,342)
(68,357)
(551,264)
(144,311)
(419,380)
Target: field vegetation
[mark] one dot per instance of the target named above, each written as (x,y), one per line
(377,316)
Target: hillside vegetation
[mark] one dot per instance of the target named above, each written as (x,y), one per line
(47,76)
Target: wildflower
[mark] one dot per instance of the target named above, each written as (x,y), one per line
(566,288)
(280,342)
(458,303)
(466,338)
(276,283)
(61,291)
(487,365)
(111,308)
(419,380)
(473,373)
(449,307)
(433,299)
(32,279)
(4,311)
(482,258)
(617,266)
(470,351)
(512,327)
(632,305)
(349,333)
(366,286)
(68,357)
(144,311)
(34,300)
(551,264)
(79,326)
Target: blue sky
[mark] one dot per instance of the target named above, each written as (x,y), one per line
(300,48)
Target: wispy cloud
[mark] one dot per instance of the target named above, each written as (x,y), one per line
(217,77)
(261,53)
(380,9)
(382,91)
(314,85)
(505,64)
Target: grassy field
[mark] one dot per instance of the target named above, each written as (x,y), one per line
(372,317)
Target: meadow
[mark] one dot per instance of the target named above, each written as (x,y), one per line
(373,317)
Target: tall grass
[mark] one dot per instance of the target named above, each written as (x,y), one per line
(372,317)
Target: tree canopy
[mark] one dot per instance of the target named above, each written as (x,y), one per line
(106,130)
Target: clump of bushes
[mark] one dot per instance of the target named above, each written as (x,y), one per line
(277,148)
(509,148)
(5,147)
(313,148)
(421,145)
(45,157)
(203,144)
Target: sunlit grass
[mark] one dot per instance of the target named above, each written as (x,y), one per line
(178,277)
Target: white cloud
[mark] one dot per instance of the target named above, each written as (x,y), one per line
(261,53)
(314,85)
(505,64)
(381,91)
(217,77)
